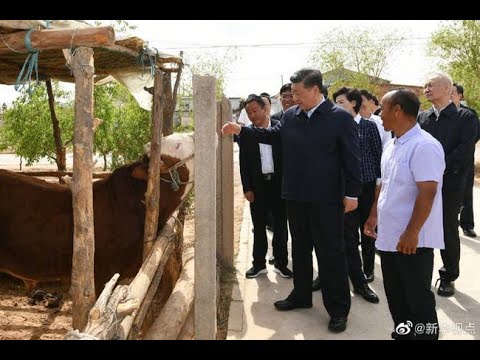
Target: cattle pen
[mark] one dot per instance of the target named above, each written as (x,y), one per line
(83,54)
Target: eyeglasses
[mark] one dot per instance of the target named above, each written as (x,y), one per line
(290,96)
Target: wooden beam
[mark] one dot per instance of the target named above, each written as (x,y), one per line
(152,197)
(83,286)
(58,39)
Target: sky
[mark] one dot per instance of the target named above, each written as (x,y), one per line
(270,51)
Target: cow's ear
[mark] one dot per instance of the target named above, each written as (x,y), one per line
(140,172)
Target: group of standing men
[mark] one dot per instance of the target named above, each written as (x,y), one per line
(335,181)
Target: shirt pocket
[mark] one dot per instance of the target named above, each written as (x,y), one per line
(403,175)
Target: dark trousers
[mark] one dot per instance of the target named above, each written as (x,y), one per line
(407,280)
(354,221)
(365,202)
(312,224)
(466,214)
(452,197)
(266,200)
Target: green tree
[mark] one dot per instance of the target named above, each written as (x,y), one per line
(217,64)
(355,57)
(457,46)
(27,126)
(130,128)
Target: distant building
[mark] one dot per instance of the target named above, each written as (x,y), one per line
(383,85)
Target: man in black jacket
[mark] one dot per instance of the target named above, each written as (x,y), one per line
(321,181)
(260,170)
(456,130)
(286,98)
(466,214)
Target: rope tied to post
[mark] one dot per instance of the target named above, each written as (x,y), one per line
(30,64)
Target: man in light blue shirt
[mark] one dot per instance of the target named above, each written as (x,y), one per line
(408,212)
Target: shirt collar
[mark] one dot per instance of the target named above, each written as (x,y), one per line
(269,123)
(311,111)
(408,135)
(357,118)
(437,112)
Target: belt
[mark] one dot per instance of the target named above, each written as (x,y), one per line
(268,177)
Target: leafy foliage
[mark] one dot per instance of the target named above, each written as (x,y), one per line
(356,54)
(125,127)
(27,128)
(457,45)
(216,64)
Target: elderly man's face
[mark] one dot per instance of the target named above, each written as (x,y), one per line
(435,89)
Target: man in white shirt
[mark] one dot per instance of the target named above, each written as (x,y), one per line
(408,212)
(260,170)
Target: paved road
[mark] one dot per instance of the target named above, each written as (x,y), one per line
(253,316)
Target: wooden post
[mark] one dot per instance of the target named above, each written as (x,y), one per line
(83,286)
(152,197)
(58,39)
(218,190)
(205,110)
(226,143)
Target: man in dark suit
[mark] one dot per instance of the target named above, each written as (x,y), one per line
(286,98)
(456,130)
(466,214)
(321,181)
(260,170)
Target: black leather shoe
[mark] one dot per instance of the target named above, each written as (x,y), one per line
(316,284)
(271,260)
(367,293)
(470,232)
(370,277)
(337,325)
(289,304)
(446,288)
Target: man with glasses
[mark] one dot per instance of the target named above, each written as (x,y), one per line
(286,98)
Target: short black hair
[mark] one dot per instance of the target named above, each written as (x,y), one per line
(325,91)
(366,93)
(254,97)
(286,87)
(267,95)
(310,77)
(351,94)
(459,88)
(375,100)
(406,99)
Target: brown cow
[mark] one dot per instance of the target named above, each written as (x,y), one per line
(36,223)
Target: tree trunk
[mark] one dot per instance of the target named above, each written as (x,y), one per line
(83,286)
(169,105)
(57,135)
(170,100)
(104,162)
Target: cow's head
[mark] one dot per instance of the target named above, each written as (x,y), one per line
(176,149)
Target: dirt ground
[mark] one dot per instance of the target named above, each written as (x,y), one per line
(21,321)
